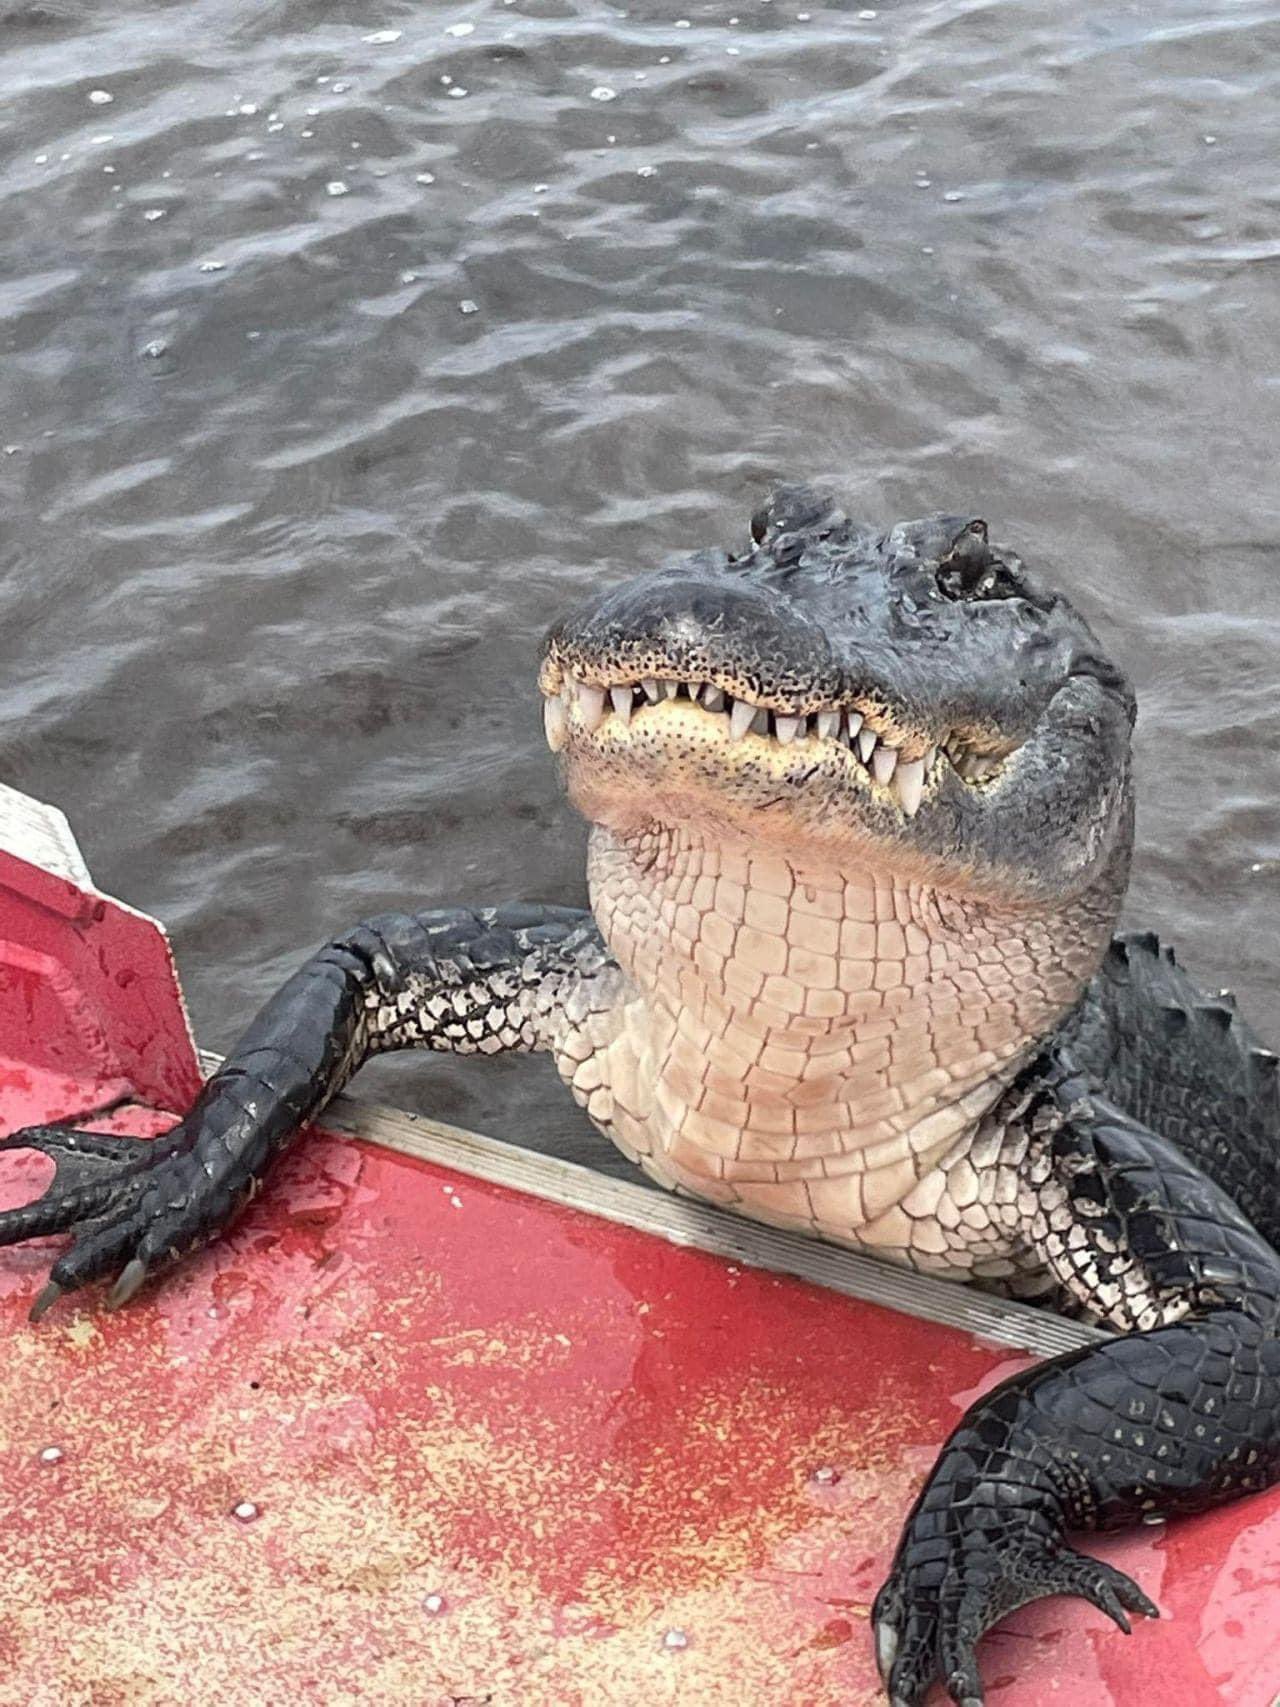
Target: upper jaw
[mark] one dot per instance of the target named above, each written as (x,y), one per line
(897,763)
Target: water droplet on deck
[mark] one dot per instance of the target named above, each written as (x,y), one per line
(675,1640)
(336,188)
(245,1512)
(51,1454)
(100,97)
(434,1604)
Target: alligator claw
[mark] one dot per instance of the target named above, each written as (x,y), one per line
(130,1278)
(49,1295)
(127,1202)
(935,1606)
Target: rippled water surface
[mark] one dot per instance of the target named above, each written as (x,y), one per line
(345,346)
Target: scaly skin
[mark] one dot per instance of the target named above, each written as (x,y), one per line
(862,820)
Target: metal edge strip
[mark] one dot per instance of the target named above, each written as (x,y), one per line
(684,1221)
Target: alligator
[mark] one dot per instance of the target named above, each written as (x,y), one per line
(862,816)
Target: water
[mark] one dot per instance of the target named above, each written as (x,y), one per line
(345,346)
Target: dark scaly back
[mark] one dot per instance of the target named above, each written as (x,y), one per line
(1186,1065)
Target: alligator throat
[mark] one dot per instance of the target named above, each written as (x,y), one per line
(806,1043)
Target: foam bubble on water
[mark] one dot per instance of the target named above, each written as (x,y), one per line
(100,97)
(336,188)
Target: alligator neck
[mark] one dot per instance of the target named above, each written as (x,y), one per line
(809,1022)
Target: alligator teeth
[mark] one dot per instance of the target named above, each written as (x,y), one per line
(591,706)
(909,782)
(884,762)
(555,720)
(741,716)
(904,777)
(622,700)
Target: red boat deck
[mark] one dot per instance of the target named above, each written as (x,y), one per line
(412,1436)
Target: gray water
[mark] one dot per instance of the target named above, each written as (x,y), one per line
(286,515)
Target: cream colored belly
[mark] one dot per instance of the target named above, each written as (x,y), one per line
(815,1163)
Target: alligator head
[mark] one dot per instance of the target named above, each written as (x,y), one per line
(912,699)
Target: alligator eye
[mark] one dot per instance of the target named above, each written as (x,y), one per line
(971,572)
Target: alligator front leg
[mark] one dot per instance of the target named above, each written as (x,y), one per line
(457,980)
(1181,1414)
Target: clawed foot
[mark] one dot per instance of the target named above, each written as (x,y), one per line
(131,1204)
(945,1590)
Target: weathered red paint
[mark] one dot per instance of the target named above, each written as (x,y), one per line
(90,1009)
(486,1449)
